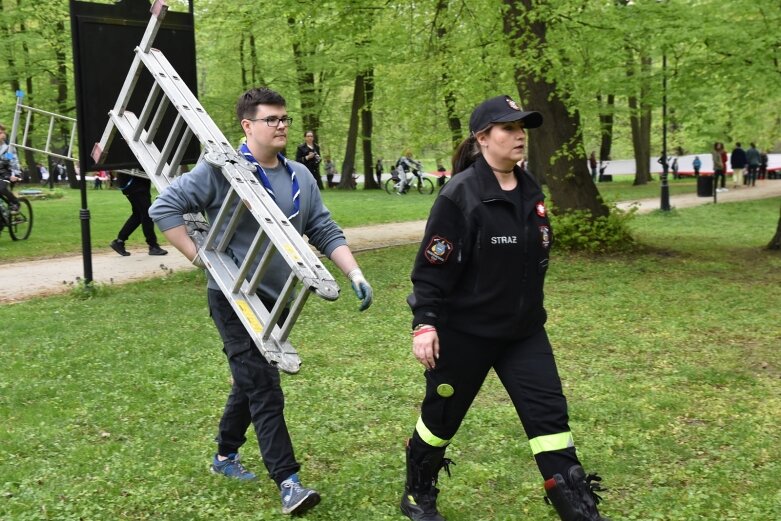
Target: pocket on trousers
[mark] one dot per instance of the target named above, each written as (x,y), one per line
(440,397)
(235,347)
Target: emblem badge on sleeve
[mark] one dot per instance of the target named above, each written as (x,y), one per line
(545,236)
(540,208)
(438,250)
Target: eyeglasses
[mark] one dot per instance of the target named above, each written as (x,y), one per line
(274,121)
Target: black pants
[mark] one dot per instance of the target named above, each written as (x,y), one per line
(139,203)
(719,174)
(256,396)
(5,191)
(528,372)
(753,173)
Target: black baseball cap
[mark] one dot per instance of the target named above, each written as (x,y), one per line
(502,109)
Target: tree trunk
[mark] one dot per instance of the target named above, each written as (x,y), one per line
(242,65)
(29,156)
(367,124)
(606,127)
(775,242)
(348,165)
(557,148)
(640,122)
(453,121)
(307,88)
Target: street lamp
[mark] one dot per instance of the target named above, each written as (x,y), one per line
(665,203)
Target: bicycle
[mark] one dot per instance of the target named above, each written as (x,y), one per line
(19,223)
(422,184)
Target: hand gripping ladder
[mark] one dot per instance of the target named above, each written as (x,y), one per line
(275,232)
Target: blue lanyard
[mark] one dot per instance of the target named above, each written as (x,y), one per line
(296,191)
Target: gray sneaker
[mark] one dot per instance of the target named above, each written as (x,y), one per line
(297,499)
(231,468)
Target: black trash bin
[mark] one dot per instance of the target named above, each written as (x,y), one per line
(705,186)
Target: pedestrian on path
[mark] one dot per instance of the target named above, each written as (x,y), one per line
(754,159)
(139,195)
(256,396)
(467,321)
(717,155)
(738,162)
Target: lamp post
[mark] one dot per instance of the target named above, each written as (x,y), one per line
(665,203)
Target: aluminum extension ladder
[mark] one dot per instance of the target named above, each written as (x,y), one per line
(15,143)
(275,232)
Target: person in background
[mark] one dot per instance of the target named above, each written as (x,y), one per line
(43,172)
(378,170)
(763,164)
(477,306)
(441,177)
(674,168)
(139,195)
(256,396)
(696,165)
(754,160)
(330,172)
(719,161)
(592,164)
(737,160)
(308,154)
(7,176)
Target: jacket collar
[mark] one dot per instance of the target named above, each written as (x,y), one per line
(489,185)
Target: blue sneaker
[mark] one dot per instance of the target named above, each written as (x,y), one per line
(297,499)
(231,468)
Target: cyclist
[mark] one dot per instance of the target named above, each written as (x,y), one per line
(7,176)
(406,165)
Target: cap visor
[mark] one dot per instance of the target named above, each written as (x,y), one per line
(531,119)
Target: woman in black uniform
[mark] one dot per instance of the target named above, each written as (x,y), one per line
(477,303)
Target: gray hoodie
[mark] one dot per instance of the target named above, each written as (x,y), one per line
(204,189)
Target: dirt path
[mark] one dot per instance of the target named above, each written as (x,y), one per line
(24,280)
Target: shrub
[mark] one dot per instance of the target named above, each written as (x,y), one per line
(579,231)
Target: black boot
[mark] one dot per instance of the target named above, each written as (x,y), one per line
(419,501)
(575,499)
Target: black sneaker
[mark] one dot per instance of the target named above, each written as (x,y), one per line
(119,247)
(157,250)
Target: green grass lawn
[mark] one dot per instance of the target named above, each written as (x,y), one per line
(669,359)
(621,189)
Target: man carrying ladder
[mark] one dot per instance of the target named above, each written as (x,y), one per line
(256,396)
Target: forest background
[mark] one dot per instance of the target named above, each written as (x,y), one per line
(375,78)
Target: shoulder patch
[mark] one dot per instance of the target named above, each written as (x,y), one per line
(438,250)
(540,208)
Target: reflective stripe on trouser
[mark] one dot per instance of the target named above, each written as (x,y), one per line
(551,442)
(429,437)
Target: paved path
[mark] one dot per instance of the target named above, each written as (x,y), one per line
(24,280)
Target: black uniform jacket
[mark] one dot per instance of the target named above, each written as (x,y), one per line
(482,262)
(312,164)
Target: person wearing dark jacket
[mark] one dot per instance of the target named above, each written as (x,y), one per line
(308,153)
(754,160)
(139,195)
(477,305)
(737,160)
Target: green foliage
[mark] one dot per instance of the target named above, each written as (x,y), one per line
(580,231)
